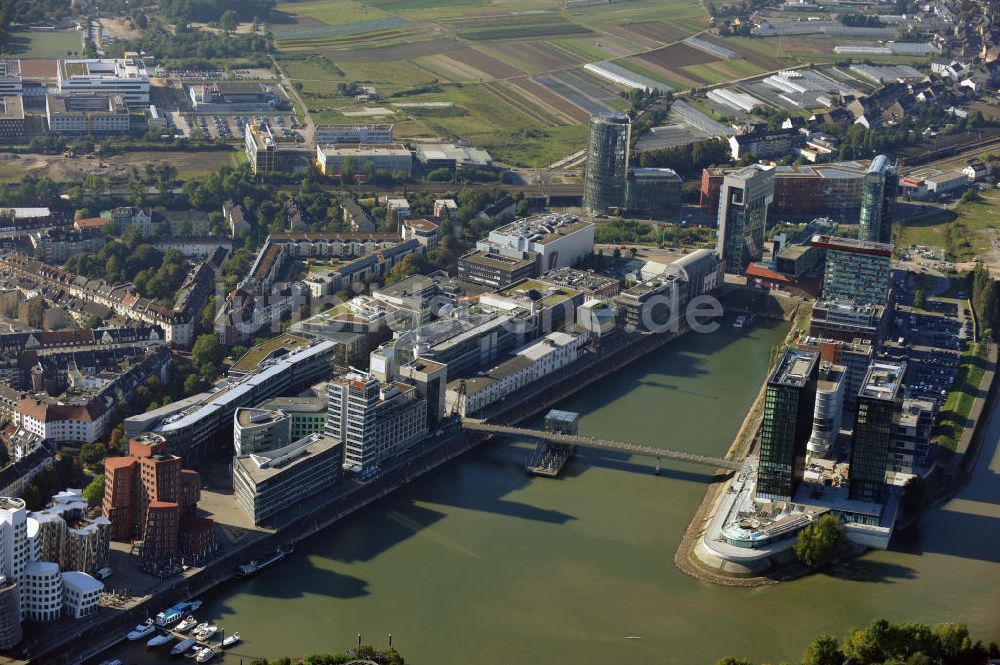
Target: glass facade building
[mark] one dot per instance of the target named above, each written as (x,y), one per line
(875,425)
(856,270)
(654,193)
(607,162)
(743,202)
(878,201)
(789,403)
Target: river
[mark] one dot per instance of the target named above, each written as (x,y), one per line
(478,563)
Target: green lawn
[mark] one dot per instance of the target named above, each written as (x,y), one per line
(35,44)
(964,232)
(958,405)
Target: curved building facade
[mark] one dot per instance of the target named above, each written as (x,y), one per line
(41,591)
(878,201)
(829,406)
(10,614)
(607,162)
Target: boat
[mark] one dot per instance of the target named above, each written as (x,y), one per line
(183,646)
(112,662)
(255,566)
(194,652)
(159,640)
(186,624)
(740,321)
(176,612)
(207,632)
(141,630)
(231,640)
(200,627)
(205,655)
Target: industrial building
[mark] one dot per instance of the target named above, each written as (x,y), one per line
(451,156)
(11,115)
(744,200)
(237,97)
(559,240)
(266,483)
(875,423)
(87,113)
(654,193)
(260,147)
(384,157)
(789,406)
(120,76)
(607,162)
(856,270)
(878,201)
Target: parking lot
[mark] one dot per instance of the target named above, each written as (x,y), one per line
(931,339)
(226,127)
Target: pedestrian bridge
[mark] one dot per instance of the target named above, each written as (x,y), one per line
(602,444)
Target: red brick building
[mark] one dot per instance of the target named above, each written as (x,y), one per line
(151,501)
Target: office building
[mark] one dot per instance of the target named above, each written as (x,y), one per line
(237,97)
(121,76)
(830,190)
(41,591)
(743,203)
(559,240)
(87,113)
(844,320)
(149,498)
(789,406)
(875,425)
(306,415)
(11,115)
(81,594)
(376,421)
(911,444)
(357,134)
(260,147)
(654,193)
(830,388)
(260,430)
(854,357)
(607,162)
(856,270)
(451,156)
(430,378)
(266,483)
(10,613)
(10,78)
(68,537)
(15,554)
(390,157)
(878,201)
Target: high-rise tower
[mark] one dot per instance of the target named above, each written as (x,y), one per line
(743,202)
(878,201)
(607,162)
(874,427)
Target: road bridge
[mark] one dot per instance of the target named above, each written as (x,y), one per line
(603,444)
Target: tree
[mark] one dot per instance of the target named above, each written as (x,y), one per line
(916,495)
(819,541)
(207,353)
(729,660)
(94,492)
(919,299)
(229,20)
(823,650)
(117,439)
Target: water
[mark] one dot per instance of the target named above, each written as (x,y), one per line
(477,563)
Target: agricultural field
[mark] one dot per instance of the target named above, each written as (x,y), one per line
(37,44)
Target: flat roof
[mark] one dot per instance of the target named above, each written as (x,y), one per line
(498,260)
(794,367)
(261,467)
(252,359)
(852,245)
(364,150)
(11,108)
(883,380)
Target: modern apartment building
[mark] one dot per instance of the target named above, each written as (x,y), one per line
(608,151)
(875,424)
(57,244)
(266,483)
(856,270)
(844,320)
(878,201)
(743,204)
(376,421)
(121,76)
(855,357)
(789,407)
(260,147)
(911,445)
(87,113)
(260,430)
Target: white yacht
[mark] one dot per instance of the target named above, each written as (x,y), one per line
(205,655)
(141,630)
(207,632)
(187,624)
(231,640)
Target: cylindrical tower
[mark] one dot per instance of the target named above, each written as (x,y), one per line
(828,410)
(607,162)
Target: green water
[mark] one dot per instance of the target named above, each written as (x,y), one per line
(477,563)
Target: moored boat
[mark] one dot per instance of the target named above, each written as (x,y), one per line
(187,624)
(205,655)
(141,631)
(183,646)
(207,632)
(159,640)
(255,565)
(231,640)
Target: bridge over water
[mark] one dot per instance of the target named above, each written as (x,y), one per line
(603,444)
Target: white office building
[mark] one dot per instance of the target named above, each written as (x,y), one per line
(359,134)
(80,594)
(41,591)
(121,76)
(560,240)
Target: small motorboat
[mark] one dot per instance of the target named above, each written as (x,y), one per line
(205,655)
(183,646)
(194,652)
(200,627)
(187,624)
(207,632)
(112,662)
(159,640)
(231,640)
(141,630)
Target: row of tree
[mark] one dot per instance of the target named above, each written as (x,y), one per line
(884,643)
(985,298)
